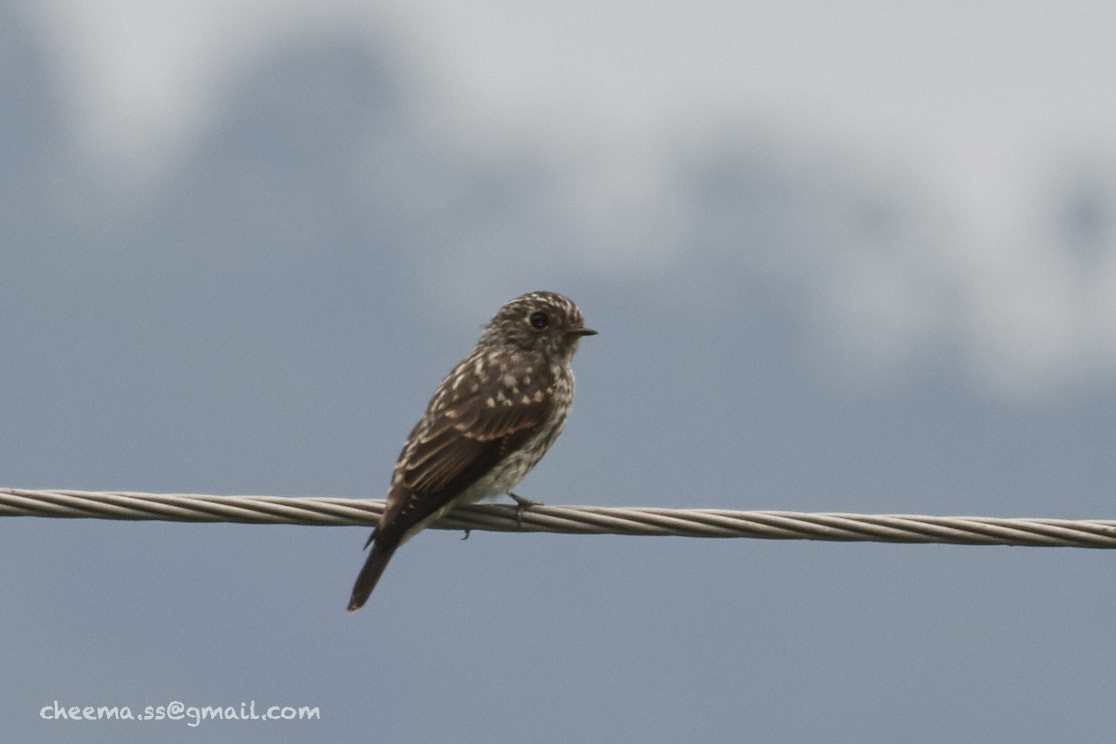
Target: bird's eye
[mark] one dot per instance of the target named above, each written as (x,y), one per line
(539,321)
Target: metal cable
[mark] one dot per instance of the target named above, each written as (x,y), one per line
(596,520)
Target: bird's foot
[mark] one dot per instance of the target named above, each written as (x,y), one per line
(467,531)
(521,504)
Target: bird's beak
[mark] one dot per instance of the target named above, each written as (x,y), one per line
(582,332)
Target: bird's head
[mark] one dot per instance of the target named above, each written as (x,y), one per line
(543,322)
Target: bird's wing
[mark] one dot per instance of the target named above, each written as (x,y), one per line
(462,436)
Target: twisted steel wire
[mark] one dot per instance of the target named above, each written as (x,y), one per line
(596,520)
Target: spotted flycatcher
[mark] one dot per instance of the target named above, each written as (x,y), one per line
(490,421)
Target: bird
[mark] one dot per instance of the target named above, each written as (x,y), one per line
(489,422)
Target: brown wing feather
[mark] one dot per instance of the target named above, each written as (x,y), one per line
(464,438)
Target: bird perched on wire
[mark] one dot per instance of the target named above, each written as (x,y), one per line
(490,421)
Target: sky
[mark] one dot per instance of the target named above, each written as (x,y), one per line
(855,257)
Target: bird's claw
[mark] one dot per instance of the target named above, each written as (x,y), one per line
(521,504)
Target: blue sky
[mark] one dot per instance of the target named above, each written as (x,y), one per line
(841,259)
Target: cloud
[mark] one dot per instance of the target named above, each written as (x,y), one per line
(903,184)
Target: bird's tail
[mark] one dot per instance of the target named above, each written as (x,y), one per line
(374,567)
